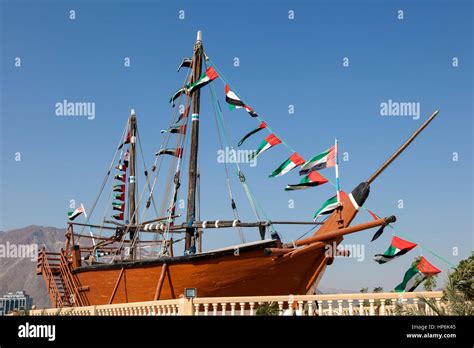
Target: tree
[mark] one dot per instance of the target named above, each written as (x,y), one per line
(463,277)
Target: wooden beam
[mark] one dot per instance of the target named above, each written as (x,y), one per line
(159,286)
(116,285)
(341,232)
(194,142)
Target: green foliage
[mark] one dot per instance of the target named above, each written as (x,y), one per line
(416,261)
(430,283)
(463,278)
(268,309)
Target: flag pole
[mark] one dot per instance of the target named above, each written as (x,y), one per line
(90,230)
(336,148)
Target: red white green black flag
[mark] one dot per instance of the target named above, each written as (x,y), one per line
(205,78)
(74,214)
(119,188)
(397,248)
(323,160)
(311,180)
(261,126)
(236,103)
(328,207)
(416,275)
(291,163)
(267,143)
(120,177)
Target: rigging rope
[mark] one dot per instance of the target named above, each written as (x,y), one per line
(104,182)
(234,207)
(239,172)
(253,201)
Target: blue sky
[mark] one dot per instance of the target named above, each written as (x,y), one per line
(282,62)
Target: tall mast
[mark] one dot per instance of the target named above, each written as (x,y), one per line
(192,174)
(132,180)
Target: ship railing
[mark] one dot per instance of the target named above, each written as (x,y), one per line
(358,304)
(69,280)
(47,262)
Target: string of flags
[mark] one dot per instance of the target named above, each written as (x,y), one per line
(325,159)
(417,273)
(118,189)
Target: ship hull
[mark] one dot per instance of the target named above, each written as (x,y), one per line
(246,272)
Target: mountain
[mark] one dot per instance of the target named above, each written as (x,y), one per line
(19,273)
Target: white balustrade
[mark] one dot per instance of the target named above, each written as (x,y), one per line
(300,305)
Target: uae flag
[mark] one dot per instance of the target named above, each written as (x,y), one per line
(261,126)
(205,78)
(118,206)
(381,228)
(119,188)
(267,143)
(178,152)
(74,214)
(126,158)
(125,141)
(291,163)
(328,207)
(186,63)
(416,275)
(325,159)
(118,216)
(121,177)
(175,129)
(310,180)
(176,95)
(119,196)
(236,103)
(398,248)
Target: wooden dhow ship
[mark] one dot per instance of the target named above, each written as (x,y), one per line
(103,263)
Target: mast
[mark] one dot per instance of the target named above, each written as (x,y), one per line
(192,174)
(403,147)
(132,181)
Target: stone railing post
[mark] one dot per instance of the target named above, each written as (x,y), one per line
(351,309)
(339,307)
(329,307)
(371,303)
(361,307)
(186,306)
(320,307)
